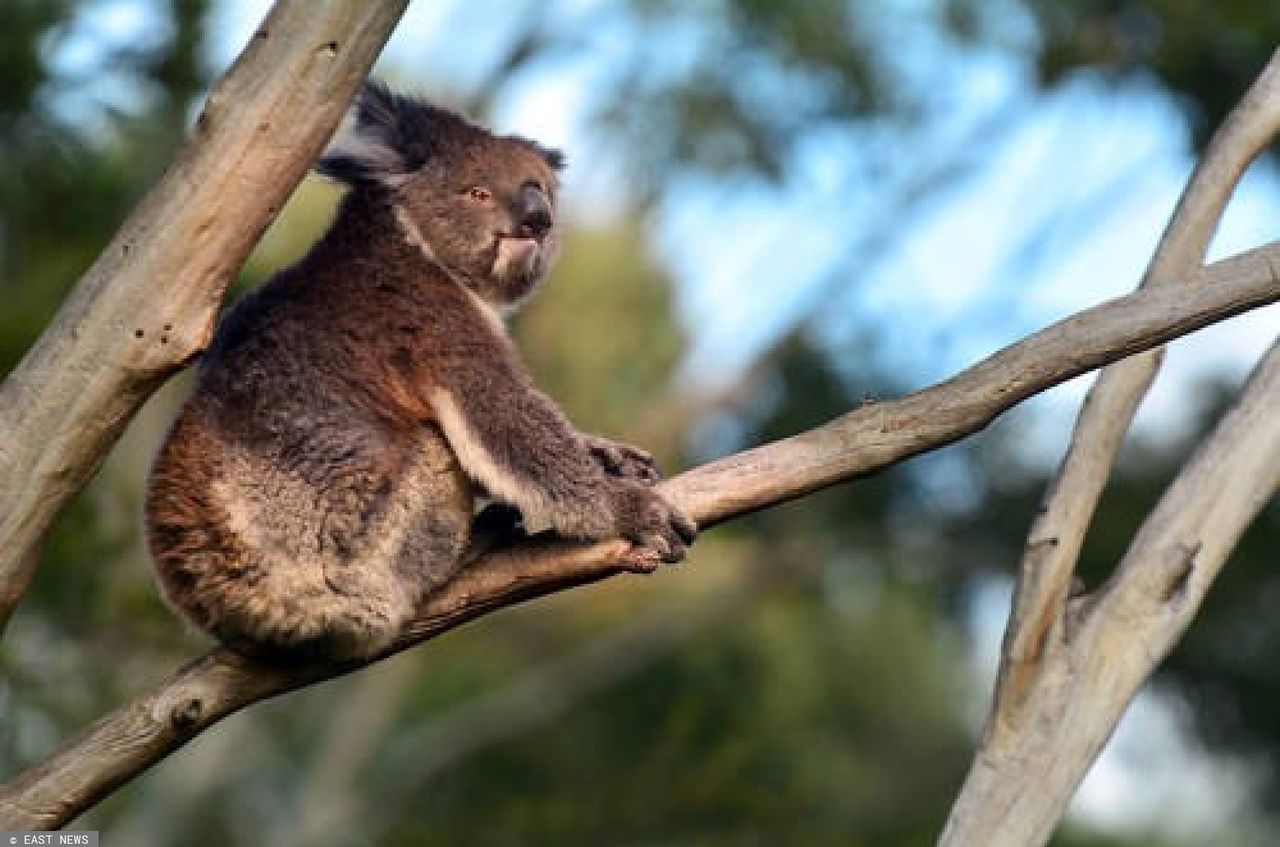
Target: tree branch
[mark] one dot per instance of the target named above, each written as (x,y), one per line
(1049,665)
(148,303)
(127,741)
(1027,768)
(1054,541)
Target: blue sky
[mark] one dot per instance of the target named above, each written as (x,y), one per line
(1088,176)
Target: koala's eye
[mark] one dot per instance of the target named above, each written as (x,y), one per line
(480,194)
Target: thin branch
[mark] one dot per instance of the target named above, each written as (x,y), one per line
(1185,541)
(127,741)
(147,304)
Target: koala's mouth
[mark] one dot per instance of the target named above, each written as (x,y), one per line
(519,242)
(518,247)
(518,257)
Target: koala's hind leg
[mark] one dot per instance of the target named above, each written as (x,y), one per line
(385,540)
(278,567)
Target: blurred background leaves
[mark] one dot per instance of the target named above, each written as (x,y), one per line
(742,172)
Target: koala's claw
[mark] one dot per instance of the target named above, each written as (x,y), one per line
(662,532)
(638,559)
(684,526)
(623,460)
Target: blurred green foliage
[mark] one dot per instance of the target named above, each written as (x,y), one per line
(1205,52)
(820,692)
(73,158)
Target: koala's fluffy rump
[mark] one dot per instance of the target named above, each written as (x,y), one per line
(321,479)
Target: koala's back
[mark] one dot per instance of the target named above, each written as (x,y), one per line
(288,512)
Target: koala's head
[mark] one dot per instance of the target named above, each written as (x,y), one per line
(480,204)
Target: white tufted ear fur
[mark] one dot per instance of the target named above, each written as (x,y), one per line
(383,145)
(393,135)
(361,157)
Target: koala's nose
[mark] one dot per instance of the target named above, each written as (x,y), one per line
(533,214)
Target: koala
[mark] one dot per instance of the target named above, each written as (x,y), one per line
(323,476)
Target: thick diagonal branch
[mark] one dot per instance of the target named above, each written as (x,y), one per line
(147,304)
(124,743)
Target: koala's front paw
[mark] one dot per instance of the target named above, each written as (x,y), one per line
(623,460)
(659,530)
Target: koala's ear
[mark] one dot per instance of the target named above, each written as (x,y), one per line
(387,143)
(553,157)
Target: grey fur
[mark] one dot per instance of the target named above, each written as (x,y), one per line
(321,479)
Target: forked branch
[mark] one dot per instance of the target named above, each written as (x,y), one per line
(1069,668)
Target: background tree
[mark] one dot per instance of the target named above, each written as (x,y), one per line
(871,580)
